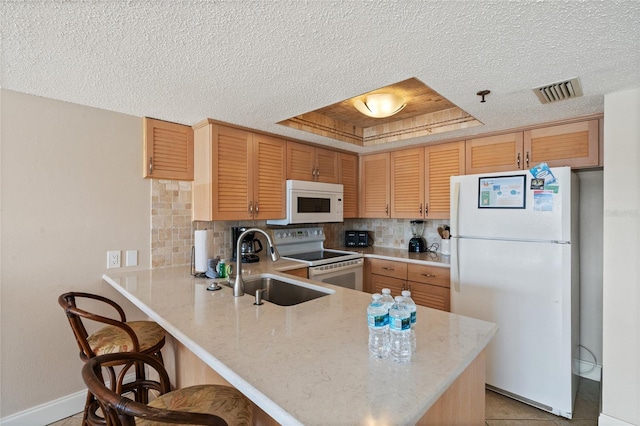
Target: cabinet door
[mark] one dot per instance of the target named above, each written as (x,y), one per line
(500,153)
(349,181)
(574,145)
(232,173)
(300,161)
(389,268)
(269,177)
(407,183)
(374,185)
(431,296)
(327,166)
(396,285)
(441,162)
(168,150)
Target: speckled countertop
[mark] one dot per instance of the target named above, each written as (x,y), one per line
(309,363)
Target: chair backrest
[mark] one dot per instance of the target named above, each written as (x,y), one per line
(117,409)
(75,315)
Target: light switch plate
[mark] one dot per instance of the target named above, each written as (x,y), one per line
(132,258)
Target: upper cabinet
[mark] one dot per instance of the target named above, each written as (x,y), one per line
(306,162)
(500,153)
(349,181)
(239,175)
(407,183)
(168,150)
(574,145)
(441,162)
(374,185)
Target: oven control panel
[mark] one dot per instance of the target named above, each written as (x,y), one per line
(299,235)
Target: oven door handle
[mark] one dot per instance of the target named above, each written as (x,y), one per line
(317,271)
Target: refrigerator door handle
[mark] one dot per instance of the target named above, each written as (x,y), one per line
(455,272)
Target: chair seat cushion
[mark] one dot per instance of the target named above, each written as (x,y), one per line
(223,401)
(112,339)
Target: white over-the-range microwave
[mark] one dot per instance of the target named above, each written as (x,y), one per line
(312,202)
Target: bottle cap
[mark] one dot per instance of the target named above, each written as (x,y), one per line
(386,291)
(376,296)
(399,298)
(406,293)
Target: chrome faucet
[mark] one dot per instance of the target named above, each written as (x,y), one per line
(238,285)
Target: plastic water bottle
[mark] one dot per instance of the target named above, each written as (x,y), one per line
(400,332)
(378,321)
(411,306)
(387,300)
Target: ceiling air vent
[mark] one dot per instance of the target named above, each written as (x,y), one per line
(558,91)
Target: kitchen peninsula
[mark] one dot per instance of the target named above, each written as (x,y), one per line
(309,363)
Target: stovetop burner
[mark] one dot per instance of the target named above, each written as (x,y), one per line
(316,255)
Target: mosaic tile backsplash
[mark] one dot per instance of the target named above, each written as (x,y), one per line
(172,229)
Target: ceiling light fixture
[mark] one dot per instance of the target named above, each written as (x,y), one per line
(380,105)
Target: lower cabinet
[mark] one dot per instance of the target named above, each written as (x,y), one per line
(298,272)
(429,285)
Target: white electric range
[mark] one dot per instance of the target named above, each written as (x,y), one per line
(337,267)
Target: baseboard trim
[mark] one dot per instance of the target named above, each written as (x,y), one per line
(53,411)
(589,370)
(48,412)
(605,420)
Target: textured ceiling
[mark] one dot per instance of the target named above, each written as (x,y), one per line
(255,64)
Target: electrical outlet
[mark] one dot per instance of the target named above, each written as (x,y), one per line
(113,259)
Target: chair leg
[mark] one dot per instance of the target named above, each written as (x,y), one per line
(87,404)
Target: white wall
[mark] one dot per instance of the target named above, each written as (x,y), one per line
(72,189)
(621,295)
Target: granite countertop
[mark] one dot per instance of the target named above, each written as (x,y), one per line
(309,363)
(402,255)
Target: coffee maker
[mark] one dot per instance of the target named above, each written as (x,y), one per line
(249,247)
(417,244)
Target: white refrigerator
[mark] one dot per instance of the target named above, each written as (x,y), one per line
(514,262)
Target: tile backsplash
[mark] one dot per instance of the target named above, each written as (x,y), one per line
(172,229)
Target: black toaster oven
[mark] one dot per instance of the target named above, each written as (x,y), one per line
(356,239)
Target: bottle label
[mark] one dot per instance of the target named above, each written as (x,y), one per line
(377,320)
(413,317)
(400,323)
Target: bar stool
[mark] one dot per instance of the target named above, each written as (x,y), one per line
(215,405)
(118,335)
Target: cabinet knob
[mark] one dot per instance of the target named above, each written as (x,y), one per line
(420,210)
(150,165)
(518,160)
(428,275)
(250,208)
(257,208)
(526,159)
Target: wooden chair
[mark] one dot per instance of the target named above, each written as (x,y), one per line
(117,335)
(214,405)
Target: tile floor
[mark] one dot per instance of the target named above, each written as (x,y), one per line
(503,411)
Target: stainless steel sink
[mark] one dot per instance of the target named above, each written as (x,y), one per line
(282,291)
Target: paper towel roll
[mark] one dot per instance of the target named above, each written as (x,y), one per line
(203,243)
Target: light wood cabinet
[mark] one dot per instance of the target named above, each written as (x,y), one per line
(429,285)
(306,162)
(375,185)
(299,272)
(349,180)
(239,175)
(168,150)
(441,162)
(407,183)
(494,154)
(574,145)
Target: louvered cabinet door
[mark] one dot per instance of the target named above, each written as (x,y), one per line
(431,296)
(269,181)
(374,185)
(349,181)
(407,183)
(441,162)
(500,153)
(232,174)
(168,150)
(574,145)
(327,166)
(300,161)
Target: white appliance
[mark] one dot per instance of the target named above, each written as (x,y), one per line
(312,202)
(337,267)
(514,262)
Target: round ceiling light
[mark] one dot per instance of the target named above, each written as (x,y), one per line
(380,105)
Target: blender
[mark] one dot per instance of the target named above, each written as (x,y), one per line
(417,244)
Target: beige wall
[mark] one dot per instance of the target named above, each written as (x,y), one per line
(71,190)
(621,292)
